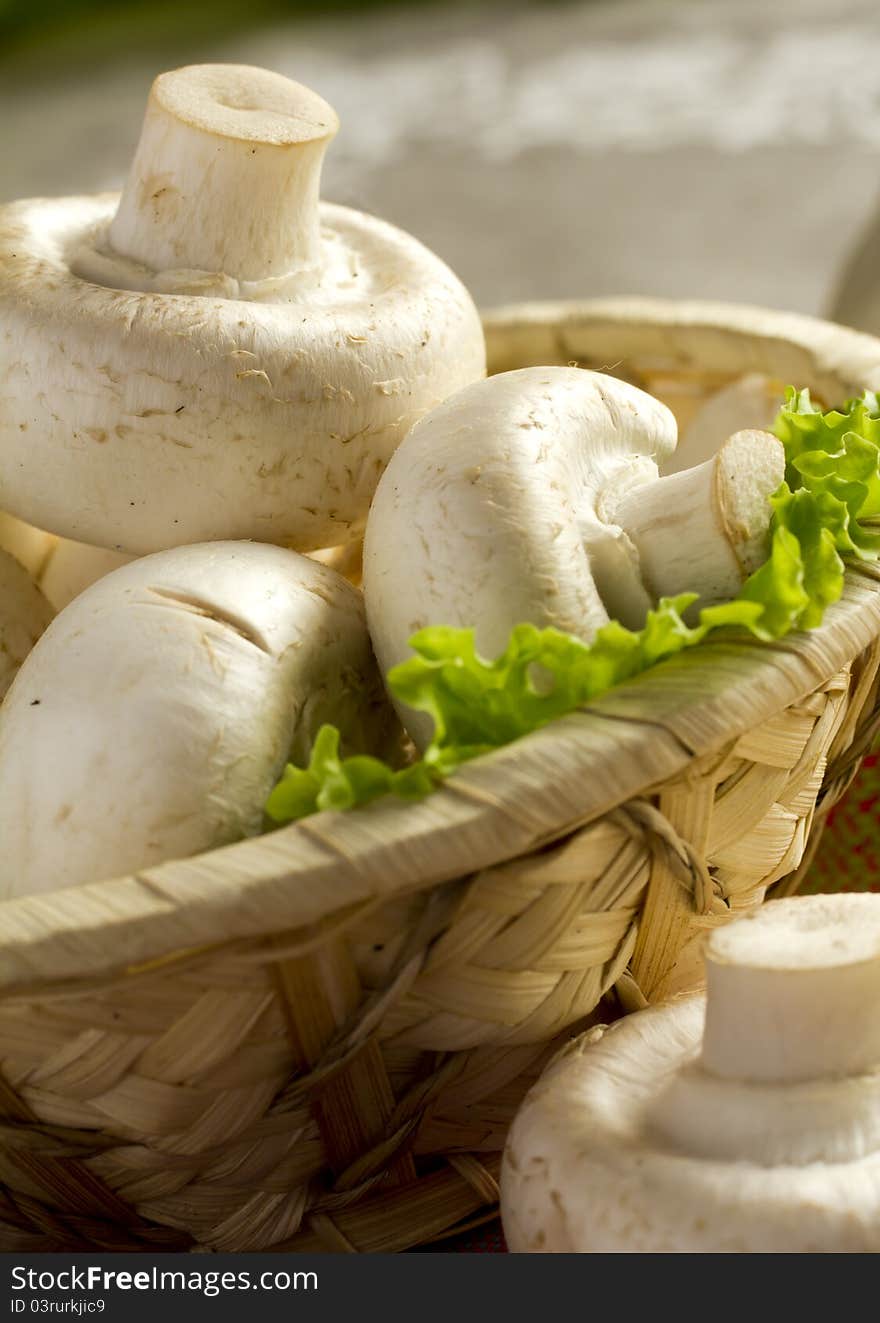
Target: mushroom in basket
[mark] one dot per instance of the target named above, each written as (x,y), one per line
(217,354)
(155,714)
(745,1121)
(535,496)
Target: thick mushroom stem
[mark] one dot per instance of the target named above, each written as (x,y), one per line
(793,990)
(226,175)
(706,529)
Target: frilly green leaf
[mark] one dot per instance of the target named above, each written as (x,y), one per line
(333,782)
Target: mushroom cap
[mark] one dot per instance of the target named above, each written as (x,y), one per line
(585,1172)
(162,704)
(138,420)
(24,614)
(492,511)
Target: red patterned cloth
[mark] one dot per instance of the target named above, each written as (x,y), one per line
(848,857)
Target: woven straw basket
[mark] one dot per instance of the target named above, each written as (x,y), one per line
(316,1040)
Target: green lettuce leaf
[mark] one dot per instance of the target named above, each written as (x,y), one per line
(836,455)
(801,425)
(333,782)
(828,509)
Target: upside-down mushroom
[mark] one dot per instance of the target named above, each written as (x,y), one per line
(535,496)
(746,1121)
(216,353)
(158,710)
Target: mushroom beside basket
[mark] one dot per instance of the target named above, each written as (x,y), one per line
(317,1039)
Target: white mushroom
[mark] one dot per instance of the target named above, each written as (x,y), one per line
(216,354)
(24,614)
(748,1121)
(534,496)
(159,708)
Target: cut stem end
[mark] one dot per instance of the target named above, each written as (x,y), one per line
(226,175)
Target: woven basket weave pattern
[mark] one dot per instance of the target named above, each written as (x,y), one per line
(346,1081)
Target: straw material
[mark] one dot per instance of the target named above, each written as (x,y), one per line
(317,1040)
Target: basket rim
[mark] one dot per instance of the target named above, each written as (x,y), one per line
(503,804)
(688,330)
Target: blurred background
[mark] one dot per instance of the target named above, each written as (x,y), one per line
(707,148)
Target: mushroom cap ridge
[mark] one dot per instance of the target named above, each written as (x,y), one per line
(141,420)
